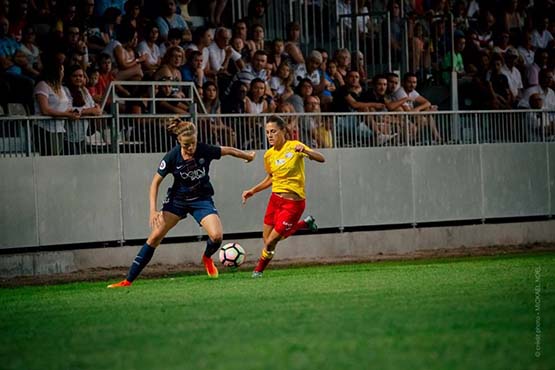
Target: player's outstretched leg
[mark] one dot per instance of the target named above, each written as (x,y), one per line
(310,223)
(141,260)
(211,248)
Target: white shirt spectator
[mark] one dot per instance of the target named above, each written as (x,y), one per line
(60,103)
(217,56)
(515,80)
(526,55)
(277,85)
(152,54)
(301,72)
(109,49)
(548,97)
(541,40)
(76,130)
(401,93)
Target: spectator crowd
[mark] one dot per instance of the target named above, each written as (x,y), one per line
(58,58)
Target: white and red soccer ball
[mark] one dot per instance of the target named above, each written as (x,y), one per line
(232,255)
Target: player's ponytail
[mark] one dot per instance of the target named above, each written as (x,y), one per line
(177,126)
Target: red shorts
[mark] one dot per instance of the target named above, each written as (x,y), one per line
(283,214)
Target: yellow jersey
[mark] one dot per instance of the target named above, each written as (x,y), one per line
(286,167)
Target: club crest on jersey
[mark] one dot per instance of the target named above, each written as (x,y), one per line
(288,155)
(201,161)
(162,165)
(280,161)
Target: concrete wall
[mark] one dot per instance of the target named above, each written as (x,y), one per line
(297,249)
(94,198)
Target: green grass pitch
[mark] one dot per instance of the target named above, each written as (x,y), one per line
(473,313)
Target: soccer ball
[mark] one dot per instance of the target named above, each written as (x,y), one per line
(232,255)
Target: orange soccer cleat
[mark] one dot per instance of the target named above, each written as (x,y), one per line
(211,269)
(121,284)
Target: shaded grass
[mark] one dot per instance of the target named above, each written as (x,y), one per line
(475,313)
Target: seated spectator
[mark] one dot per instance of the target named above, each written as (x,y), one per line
(240,30)
(541,37)
(149,48)
(281,83)
(312,72)
(335,75)
(83,103)
(12,64)
(175,38)
(526,50)
(51,99)
(545,79)
(276,55)
(414,102)
(236,101)
(499,84)
(128,66)
(292,44)
(256,40)
(532,71)
(343,61)
(169,19)
(256,69)
(510,70)
(540,124)
(257,100)
(302,91)
(74,45)
(31,51)
(172,62)
(202,38)
(192,71)
(221,53)
(164,106)
(111,21)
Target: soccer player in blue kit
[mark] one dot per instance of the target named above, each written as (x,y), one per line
(191,193)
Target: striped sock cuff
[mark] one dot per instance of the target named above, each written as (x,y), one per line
(267,255)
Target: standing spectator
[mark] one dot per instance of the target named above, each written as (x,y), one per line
(457,64)
(83,103)
(18,19)
(255,12)
(54,101)
(169,19)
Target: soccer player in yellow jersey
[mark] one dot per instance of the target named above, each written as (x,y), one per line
(284,164)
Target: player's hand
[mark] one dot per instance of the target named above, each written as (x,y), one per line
(299,148)
(251,155)
(155,219)
(246,195)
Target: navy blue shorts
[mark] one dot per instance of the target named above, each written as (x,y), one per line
(198,208)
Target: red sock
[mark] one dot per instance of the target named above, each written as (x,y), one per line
(264,260)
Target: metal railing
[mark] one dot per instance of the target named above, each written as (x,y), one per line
(125,133)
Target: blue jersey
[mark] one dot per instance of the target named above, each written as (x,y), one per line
(191,179)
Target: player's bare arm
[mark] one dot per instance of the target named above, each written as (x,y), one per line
(237,153)
(264,184)
(310,153)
